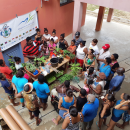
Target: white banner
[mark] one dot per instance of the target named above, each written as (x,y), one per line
(18,29)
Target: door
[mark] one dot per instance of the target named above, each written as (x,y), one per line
(13,51)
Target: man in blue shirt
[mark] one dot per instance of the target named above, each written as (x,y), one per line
(77,39)
(89,111)
(116,82)
(42,90)
(8,89)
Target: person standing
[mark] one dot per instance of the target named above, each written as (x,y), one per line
(63,44)
(104,52)
(81,100)
(42,90)
(19,81)
(81,51)
(72,119)
(7,86)
(54,36)
(77,39)
(116,82)
(46,36)
(6,70)
(31,102)
(93,45)
(39,36)
(121,106)
(18,63)
(52,45)
(89,111)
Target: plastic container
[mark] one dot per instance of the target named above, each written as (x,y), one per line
(54,62)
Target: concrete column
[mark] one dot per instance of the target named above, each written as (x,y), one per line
(110,13)
(100,18)
(77,17)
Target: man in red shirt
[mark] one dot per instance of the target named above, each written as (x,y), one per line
(31,49)
(5,70)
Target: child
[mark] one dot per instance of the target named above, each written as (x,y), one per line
(52,45)
(81,100)
(45,49)
(7,86)
(72,49)
(89,74)
(17,62)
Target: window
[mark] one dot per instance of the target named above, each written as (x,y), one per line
(64,2)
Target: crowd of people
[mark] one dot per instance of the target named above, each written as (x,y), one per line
(100,84)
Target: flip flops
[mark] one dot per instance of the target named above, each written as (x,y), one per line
(40,120)
(97,125)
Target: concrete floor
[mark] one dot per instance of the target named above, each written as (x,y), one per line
(117,35)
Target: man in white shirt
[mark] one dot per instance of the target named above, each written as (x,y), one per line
(104,52)
(93,45)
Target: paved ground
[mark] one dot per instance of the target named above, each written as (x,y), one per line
(117,35)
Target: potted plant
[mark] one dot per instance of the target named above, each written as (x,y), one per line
(58,53)
(30,69)
(39,61)
(68,55)
(65,77)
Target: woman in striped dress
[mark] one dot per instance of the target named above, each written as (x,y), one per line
(72,119)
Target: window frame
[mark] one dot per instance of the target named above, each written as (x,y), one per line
(68,1)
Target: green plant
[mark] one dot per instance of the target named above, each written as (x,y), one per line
(75,69)
(66,52)
(50,78)
(12,65)
(65,77)
(30,67)
(39,61)
(59,73)
(57,50)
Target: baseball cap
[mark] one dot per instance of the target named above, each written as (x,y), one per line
(101,75)
(77,34)
(106,46)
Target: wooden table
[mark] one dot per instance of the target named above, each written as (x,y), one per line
(64,62)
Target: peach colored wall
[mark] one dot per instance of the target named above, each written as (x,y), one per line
(51,15)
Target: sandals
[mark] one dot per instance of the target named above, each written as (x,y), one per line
(97,125)
(40,120)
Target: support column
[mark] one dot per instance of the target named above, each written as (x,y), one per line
(77,18)
(110,13)
(100,18)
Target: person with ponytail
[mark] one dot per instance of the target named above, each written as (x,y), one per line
(120,108)
(64,105)
(52,45)
(72,119)
(63,44)
(39,36)
(19,81)
(109,102)
(72,49)
(54,36)
(46,36)
(17,62)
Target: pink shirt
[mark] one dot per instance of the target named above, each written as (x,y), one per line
(26,76)
(50,46)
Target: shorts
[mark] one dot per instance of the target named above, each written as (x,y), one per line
(44,100)
(114,118)
(126,117)
(36,112)
(80,61)
(22,100)
(11,96)
(105,116)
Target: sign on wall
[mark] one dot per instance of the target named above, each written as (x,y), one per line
(17,29)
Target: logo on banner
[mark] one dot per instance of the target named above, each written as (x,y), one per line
(6,31)
(28,19)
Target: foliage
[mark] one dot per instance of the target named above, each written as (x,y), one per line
(24,64)
(50,78)
(12,65)
(75,69)
(57,50)
(65,77)
(38,61)
(66,52)
(59,73)
(30,67)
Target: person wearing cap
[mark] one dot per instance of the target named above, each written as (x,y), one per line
(81,52)
(93,45)
(116,82)
(89,111)
(105,67)
(31,102)
(104,52)
(77,38)
(97,88)
(42,90)
(63,44)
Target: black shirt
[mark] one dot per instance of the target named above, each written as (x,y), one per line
(116,65)
(80,103)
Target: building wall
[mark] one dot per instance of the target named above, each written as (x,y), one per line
(51,15)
